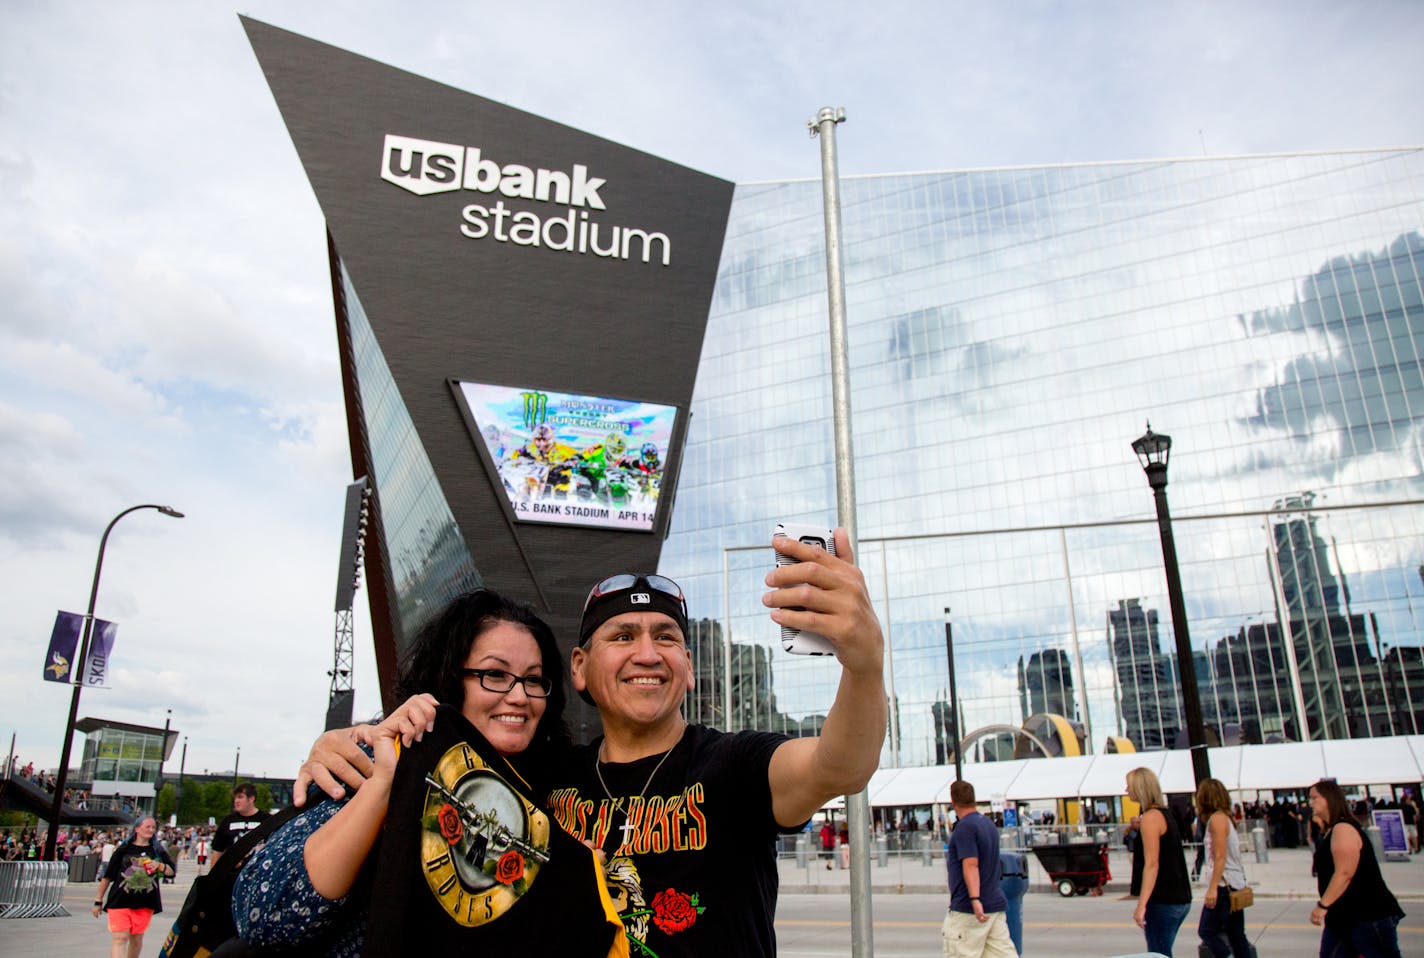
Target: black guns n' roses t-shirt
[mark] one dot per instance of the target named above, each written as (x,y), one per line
(468,864)
(696,874)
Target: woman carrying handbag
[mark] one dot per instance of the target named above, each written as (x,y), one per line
(1222,929)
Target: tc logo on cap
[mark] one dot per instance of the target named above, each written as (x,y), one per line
(640,598)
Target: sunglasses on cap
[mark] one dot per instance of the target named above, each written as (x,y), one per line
(626,580)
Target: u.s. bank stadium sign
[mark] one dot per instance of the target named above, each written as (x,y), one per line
(424,167)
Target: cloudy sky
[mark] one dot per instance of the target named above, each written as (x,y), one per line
(165,317)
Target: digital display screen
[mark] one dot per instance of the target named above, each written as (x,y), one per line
(570,459)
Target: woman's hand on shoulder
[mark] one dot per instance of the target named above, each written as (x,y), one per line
(408,724)
(383,747)
(412,719)
(335,757)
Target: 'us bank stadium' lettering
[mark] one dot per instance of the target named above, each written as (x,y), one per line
(424,167)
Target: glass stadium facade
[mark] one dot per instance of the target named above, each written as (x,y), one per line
(427,558)
(1011,332)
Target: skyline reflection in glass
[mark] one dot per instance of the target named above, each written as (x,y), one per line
(1011,331)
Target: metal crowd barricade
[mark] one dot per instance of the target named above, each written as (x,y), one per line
(33,889)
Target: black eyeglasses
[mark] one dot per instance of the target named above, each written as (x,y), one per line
(498,680)
(626,580)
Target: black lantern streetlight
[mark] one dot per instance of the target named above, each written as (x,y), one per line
(1152,451)
(62,773)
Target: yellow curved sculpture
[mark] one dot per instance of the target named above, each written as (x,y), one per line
(1047,726)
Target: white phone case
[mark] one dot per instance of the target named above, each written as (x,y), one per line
(797,641)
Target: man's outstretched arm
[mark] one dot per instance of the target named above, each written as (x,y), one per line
(805,773)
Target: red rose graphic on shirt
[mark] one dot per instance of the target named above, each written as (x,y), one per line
(510,868)
(451,829)
(673,911)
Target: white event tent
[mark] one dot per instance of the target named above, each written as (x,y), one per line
(1394,760)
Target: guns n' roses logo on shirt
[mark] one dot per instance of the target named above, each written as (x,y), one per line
(481,843)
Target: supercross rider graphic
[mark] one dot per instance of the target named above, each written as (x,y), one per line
(648,471)
(605,468)
(547,467)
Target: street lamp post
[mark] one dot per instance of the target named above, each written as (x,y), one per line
(62,774)
(1153,450)
(182,766)
(163,760)
(953,695)
(235,760)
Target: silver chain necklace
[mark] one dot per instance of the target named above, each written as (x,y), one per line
(627,825)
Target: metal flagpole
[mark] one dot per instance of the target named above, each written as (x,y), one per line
(857,805)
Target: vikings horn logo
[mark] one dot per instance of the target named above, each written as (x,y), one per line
(59,665)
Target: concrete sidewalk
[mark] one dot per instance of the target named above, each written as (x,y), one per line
(1286,875)
(83,936)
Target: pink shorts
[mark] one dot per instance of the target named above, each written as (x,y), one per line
(132,920)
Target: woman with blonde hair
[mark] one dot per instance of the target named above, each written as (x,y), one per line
(1220,929)
(1166,892)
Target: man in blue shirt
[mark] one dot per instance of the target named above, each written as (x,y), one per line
(976,926)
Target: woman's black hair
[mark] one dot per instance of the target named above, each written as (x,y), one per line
(436,658)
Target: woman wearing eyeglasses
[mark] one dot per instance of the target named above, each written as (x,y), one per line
(485,655)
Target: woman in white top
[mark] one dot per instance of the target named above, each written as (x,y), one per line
(1221,930)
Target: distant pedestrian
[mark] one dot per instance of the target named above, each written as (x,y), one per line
(1013,879)
(131,881)
(1199,838)
(1358,912)
(245,817)
(1165,895)
(828,842)
(976,924)
(1418,823)
(1410,807)
(1221,930)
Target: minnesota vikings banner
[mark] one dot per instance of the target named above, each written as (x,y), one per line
(64,649)
(469,863)
(101,645)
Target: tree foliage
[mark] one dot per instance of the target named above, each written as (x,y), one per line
(167,801)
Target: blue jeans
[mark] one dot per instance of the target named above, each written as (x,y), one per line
(1223,931)
(1014,888)
(1370,939)
(1162,925)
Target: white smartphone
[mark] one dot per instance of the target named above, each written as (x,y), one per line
(797,641)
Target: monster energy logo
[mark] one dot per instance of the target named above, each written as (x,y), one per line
(536,408)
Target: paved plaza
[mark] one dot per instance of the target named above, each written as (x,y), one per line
(909,903)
